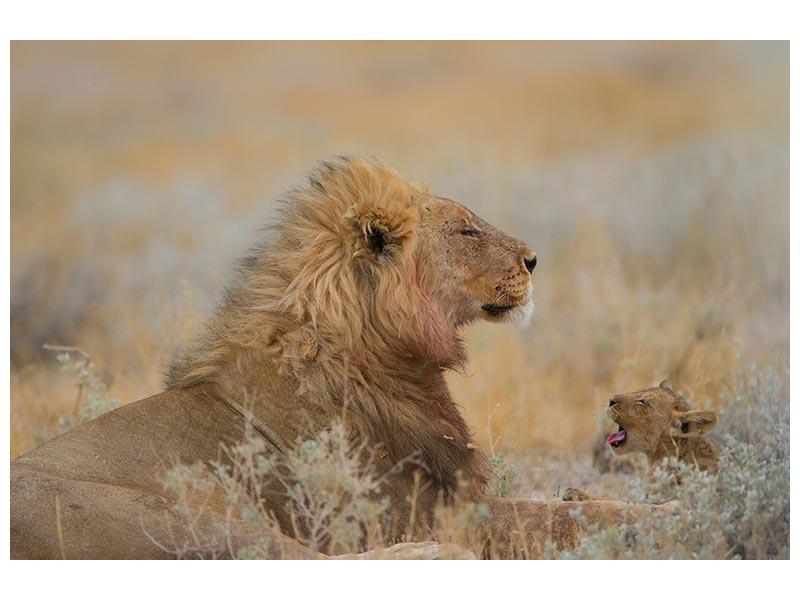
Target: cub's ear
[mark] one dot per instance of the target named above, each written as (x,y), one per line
(665,384)
(694,423)
(378,232)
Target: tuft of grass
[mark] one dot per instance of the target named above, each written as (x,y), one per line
(92,399)
(503,471)
(504,474)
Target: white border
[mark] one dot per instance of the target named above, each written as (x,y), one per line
(412,19)
(409,19)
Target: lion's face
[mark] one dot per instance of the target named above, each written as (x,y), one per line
(647,417)
(473,269)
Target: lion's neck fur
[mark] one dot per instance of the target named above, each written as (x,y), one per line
(397,414)
(316,327)
(697,451)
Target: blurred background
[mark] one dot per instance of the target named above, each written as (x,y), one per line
(651,178)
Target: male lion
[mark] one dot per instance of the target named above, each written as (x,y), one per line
(658,423)
(350,307)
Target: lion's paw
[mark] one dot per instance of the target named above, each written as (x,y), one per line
(576,495)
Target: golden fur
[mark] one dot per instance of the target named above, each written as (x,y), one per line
(661,424)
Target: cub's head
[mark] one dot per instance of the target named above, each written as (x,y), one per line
(647,417)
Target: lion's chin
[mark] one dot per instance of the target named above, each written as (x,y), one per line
(518,315)
(522,315)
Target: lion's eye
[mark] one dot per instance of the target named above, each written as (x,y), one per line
(643,402)
(470,232)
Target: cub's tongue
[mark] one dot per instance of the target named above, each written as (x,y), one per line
(616,438)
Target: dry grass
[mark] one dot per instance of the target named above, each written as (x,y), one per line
(652,180)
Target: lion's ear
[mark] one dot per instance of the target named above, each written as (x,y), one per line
(379,232)
(665,384)
(693,423)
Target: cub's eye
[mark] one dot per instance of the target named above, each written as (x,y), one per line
(470,232)
(642,402)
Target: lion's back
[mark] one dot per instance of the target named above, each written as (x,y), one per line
(137,443)
(92,491)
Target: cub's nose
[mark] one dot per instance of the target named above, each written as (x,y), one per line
(611,402)
(530,263)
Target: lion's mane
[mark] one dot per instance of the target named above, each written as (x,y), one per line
(335,299)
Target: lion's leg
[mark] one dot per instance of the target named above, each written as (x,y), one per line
(520,527)
(58,518)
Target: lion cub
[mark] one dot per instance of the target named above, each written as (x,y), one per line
(658,423)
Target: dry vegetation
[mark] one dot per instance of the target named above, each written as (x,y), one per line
(651,179)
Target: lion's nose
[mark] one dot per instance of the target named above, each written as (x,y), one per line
(530,263)
(611,402)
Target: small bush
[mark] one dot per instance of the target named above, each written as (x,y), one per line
(333,497)
(503,475)
(93,398)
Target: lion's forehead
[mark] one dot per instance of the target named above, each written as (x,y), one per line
(663,401)
(659,395)
(446,209)
(446,212)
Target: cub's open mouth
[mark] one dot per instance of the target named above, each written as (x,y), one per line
(495,310)
(616,438)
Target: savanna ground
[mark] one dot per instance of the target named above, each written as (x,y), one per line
(652,179)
